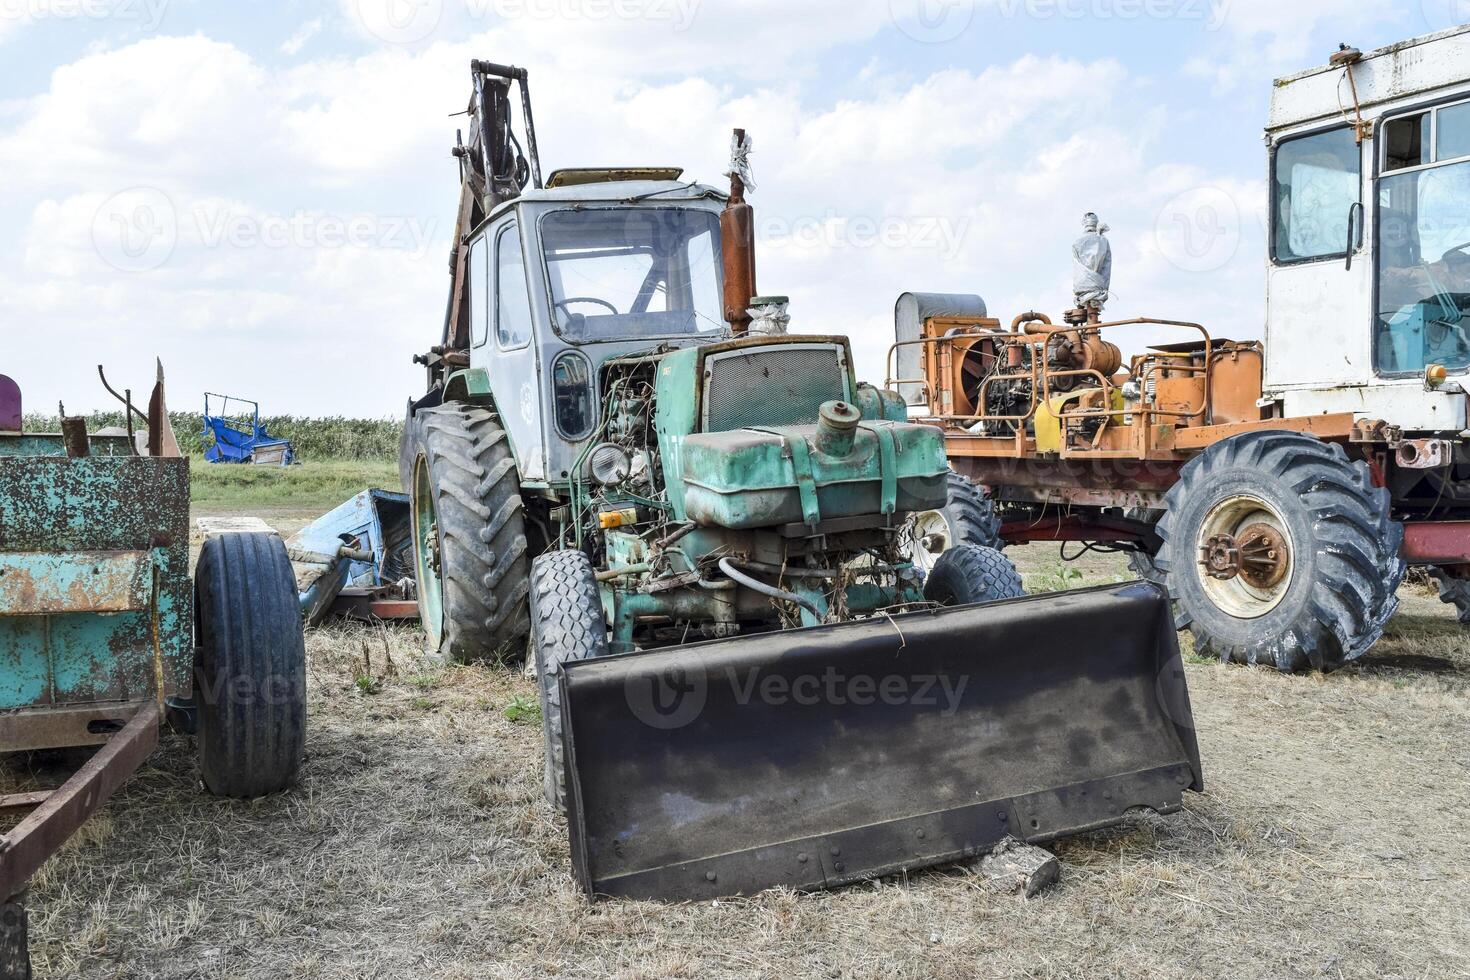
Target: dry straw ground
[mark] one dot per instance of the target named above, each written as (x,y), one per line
(1332,842)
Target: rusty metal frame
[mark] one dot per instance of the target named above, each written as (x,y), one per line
(42,832)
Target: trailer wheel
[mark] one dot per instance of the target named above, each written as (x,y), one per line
(967,518)
(469,534)
(1281,552)
(567,625)
(249,666)
(1454,592)
(970,573)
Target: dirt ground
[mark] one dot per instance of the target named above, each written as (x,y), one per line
(1332,842)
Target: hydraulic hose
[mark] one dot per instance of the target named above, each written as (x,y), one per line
(756,585)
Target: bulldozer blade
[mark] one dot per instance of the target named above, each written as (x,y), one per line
(817,757)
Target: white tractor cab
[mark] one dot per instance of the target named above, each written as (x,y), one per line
(1368,292)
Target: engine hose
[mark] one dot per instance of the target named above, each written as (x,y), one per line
(755,585)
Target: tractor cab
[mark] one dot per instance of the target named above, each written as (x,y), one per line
(566,277)
(1368,297)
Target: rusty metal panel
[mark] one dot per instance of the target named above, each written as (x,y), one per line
(38,584)
(25,848)
(62,641)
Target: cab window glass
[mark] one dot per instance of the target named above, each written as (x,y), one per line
(1315,181)
(513,297)
(1454,131)
(479,313)
(571,386)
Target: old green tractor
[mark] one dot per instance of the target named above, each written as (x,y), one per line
(701,525)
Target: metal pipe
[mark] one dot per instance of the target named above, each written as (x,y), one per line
(756,585)
(737,235)
(623,571)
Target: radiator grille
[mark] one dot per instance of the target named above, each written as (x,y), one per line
(773,386)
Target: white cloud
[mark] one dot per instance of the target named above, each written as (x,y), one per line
(961,180)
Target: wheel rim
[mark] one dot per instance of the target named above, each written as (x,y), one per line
(427,563)
(1244,557)
(929,537)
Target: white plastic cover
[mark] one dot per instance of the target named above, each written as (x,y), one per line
(771,317)
(740,151)
(1092,264)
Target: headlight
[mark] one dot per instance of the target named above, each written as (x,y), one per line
(609,464)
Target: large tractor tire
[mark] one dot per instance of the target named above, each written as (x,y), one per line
(1280,551)
(567,625)
(968,517)
(971,573)
(469,534)
(249,666)
(1455,592)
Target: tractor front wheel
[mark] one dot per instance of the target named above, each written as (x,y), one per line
(249,666)
(968,517)
(469,534)
(567,625)
(970,573)
(1281,551)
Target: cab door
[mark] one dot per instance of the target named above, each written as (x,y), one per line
(502,344)
(1318,304)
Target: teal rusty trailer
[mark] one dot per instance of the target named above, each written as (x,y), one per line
(103,637)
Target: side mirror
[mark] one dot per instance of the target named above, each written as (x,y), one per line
(1355,222)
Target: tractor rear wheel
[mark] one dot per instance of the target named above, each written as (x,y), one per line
(249,666)
(469,534)
(968,517)
(567,625)
(1281,551)
(970,573)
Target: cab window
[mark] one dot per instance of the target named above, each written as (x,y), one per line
(512,296)
(1423,247)
(1315,181)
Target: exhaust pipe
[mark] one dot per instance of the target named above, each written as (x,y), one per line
(737,232)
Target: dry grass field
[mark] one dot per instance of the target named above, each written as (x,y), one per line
(1332,842)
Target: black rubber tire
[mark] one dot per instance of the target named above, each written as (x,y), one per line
(1454,592)
(971,515)
(484,561)
(567,625)
(249,666)
(1346,565)
(1146,567)
(970,573)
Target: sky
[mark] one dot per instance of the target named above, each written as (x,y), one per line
(262,195)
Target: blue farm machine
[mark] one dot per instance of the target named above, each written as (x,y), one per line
(104,639)
(239,437)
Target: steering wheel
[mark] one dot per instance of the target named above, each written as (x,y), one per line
(590,299)
(1451,251)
